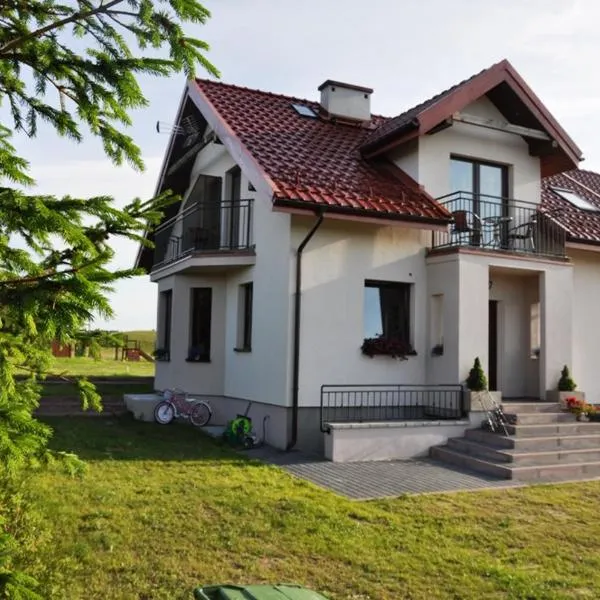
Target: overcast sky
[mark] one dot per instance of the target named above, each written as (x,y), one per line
(407,51)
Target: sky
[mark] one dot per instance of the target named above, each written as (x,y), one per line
(406,51)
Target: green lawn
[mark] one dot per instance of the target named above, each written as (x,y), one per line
(102,368)
(162,509)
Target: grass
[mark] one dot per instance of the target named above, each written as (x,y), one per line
(147,338)
(162,510)
(105,367)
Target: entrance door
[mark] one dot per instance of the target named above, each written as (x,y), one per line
(493,345)
(484,188)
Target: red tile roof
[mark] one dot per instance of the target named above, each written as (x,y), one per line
(393,126)
(581,225)
(314,161)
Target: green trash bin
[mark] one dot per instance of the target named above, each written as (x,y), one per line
(256,592)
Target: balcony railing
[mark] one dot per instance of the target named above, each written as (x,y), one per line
(501,224)
(204,228)
(379,402)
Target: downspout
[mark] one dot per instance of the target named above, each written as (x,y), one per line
(297,321)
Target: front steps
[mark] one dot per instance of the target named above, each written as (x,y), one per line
(542,444)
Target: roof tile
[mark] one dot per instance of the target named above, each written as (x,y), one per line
(580,225)
(315,160)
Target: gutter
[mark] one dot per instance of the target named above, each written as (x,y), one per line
(297,323)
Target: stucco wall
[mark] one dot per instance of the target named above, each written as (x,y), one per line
(336,263)
(262,374)
(586,323)
(193,377)
(469,141)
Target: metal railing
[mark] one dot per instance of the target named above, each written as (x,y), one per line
(403,402)
(494,223)
(204,228)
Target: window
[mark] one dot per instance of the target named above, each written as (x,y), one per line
(201,309)
(437,324)
(305,111)
(245,318)
(232,208)
(534,330)
(387,310)
(165,304)
(575,199)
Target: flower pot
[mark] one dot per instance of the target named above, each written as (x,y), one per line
(561,397)
(481,401)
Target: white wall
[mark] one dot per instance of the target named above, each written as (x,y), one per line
(585,368)
(336,262)
(442,278)
(478,143)
(193,377)
(263,374)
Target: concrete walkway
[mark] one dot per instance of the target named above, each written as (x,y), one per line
(372,480)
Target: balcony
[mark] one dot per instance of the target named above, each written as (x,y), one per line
(218,234)
(490,223)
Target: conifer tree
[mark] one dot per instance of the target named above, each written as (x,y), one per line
(75,66)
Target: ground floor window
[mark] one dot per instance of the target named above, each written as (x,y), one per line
(165,306)
(246,295)
(200,325)
(387,318)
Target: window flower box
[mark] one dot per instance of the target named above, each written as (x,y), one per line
(382,346)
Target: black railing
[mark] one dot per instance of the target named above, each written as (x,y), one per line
(493,223)
(204,228)
(403,402)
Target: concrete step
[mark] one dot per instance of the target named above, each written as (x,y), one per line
(478,450)
(545,472)
(553,429)
(557,472)
(445,454)
(534,444)
(517,407)
(518,457)
(540,418)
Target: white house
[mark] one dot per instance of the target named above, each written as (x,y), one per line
(459,229)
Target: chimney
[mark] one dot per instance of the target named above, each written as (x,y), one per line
(346,101)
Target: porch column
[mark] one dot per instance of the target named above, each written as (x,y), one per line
(473,314)
(556,326)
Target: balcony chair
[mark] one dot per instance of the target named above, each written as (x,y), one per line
(525,233)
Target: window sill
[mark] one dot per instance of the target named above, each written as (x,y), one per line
(242,350)
(197,360)
(406,356)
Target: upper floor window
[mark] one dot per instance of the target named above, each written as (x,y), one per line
(480,190)
(574,199)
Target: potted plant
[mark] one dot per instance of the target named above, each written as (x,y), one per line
(437,350)
(578,407)
(161,355)
(479,398)
(565,388)
(593,413)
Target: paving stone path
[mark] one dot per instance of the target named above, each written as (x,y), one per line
(372,480)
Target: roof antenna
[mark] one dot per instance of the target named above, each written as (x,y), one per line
(189,128)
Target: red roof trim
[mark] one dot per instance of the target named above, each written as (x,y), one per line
(463,94)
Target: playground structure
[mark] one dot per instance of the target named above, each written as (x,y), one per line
(131,350)
(127,349)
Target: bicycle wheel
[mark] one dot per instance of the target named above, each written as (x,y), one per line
(200,414)
(164,413)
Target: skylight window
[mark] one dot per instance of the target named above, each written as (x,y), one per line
(575,199)
(305,111)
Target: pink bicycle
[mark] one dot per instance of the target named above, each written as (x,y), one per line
(176,404)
